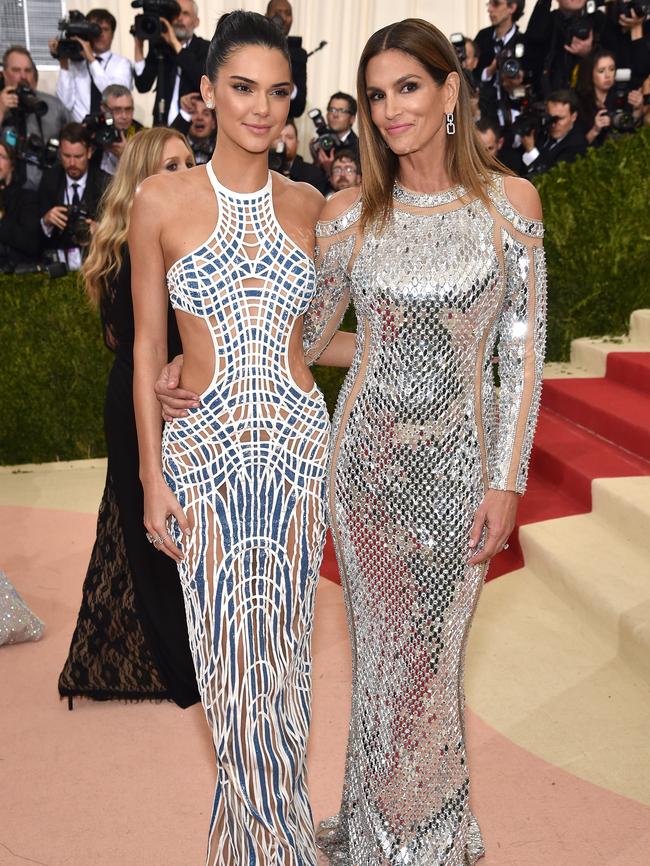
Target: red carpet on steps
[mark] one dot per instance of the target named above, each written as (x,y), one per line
(588,428)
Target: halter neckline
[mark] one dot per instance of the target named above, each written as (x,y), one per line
(242,196)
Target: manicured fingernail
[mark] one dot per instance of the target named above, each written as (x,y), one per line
(472,543)
(188,532)
(195,405)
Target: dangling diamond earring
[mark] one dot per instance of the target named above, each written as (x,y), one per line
(209,104)
(451,126)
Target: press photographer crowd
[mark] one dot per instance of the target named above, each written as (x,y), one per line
(578,76)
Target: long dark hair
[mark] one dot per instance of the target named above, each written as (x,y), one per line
(468,162)
(240,28)
(585,86)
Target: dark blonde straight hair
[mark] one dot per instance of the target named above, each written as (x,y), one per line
(468,163)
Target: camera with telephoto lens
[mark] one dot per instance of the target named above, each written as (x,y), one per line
(76,226)
(278,158)
(148,25)
(509,60)
(532,117)
(101,130)
(75,25)
(458,41)
(623,115)
(326,139)
(616,8)
(28,101)
(581,24)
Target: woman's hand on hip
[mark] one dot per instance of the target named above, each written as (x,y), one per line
(174,400)
(497,512)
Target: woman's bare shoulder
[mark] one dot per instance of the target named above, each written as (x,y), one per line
(523,196)
(339,203)
(302,196)
(170,187)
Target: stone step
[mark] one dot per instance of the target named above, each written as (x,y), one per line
(640,326)
(600,573)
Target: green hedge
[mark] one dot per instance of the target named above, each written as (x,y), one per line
(54,364)
(597,215)
(53,371)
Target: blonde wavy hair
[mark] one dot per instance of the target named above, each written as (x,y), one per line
(140,159)
(468,163)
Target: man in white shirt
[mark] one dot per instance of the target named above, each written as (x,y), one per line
(175,63)
(80,83)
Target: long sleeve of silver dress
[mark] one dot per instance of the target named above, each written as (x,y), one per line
(418,437)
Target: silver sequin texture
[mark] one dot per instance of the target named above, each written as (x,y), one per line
(17,622)
(418,436)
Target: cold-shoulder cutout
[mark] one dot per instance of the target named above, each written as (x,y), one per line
(336,205)
(523,196)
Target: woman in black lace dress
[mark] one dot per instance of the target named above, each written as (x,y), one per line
(131,640)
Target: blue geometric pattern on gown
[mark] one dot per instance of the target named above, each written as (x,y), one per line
(249,468)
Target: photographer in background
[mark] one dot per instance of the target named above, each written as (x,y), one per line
(175,60)
(17,98)
(564,143)
(495,143)
(202,134)
(68,198)
(281,12)
(346,171)
(500,39)
(20,231)
(285,159)
(606,105)
(81,82)
(117,103)
(558,40)
(341,115)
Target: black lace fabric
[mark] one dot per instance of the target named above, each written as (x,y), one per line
(109,657)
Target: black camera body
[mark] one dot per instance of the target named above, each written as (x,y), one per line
(510,59)
(28,102)
(148,25)
(533,116)
(622,114)
(278,159)
(581,24)
(327,139)
(32,149)
(77,227)
(101,129)
(76,24)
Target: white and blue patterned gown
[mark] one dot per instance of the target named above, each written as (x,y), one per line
(249,469)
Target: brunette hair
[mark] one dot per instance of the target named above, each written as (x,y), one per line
(140,159)
(468,163)
(103,16)
(585,86)
(240,28)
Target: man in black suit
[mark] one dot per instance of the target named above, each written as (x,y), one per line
(65,189)
(564,143)
(281,12)
(293,165)
(178,59)
(502,34)
(20,233)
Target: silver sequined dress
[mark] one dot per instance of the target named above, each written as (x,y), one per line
(418,437)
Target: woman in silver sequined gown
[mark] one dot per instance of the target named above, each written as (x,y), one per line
(426,466)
